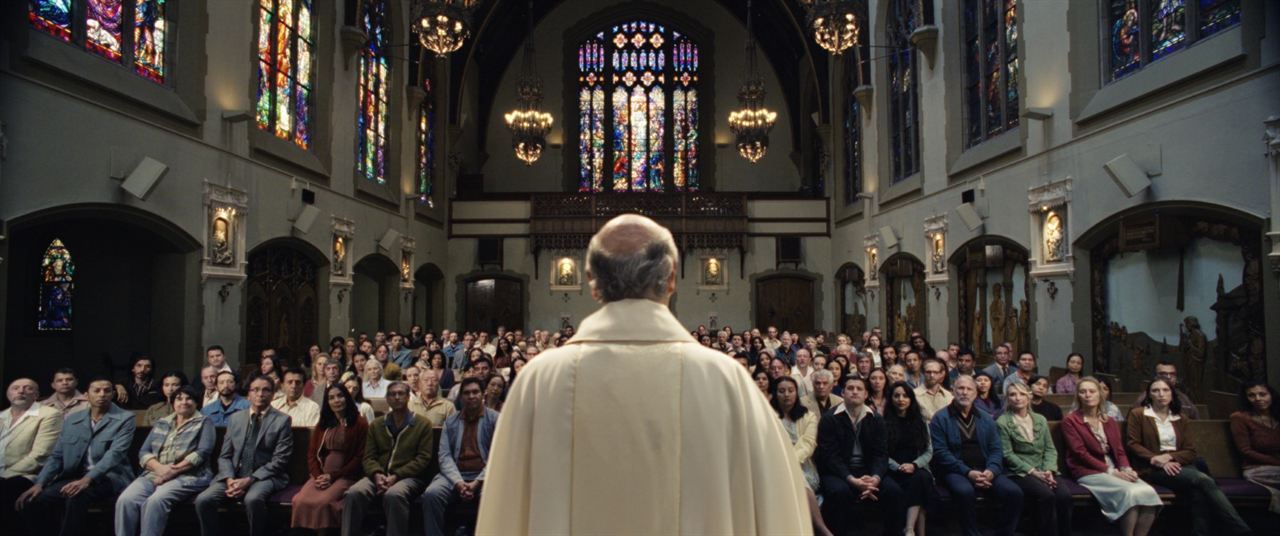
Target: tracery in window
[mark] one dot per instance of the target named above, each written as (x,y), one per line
(649,73)
(57,283)
(286,50)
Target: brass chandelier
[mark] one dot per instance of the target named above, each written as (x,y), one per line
(529,125)
(752,122)
(834,23)
(442,26)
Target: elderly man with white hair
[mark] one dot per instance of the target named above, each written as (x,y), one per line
(820,401)
(28,431)
(660,452)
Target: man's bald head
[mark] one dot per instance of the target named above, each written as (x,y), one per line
(631,257)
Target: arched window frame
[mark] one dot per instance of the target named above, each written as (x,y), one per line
(82,24)
(991,69)
(57,283)
(903,90)
(604,21)
(373,101)
(420,76)
(857,71)
(1198,22)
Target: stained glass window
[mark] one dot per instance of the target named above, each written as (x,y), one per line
(1141,31)
(132,33)
(904,99)
(857,70)
(638,110)
(375,75)
(57,284)
(426,145)
(148,39)
(51,16)
(286,50)
(991,70)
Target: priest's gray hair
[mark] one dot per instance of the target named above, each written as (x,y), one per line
(631,257)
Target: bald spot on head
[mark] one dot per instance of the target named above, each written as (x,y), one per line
(628,234)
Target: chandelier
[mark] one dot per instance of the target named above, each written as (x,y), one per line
(442,25)
(529,125)
(751,123)
(834,23)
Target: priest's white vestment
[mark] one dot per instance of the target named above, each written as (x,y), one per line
(632,427)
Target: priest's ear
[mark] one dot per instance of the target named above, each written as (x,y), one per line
(671,280)
(591,282)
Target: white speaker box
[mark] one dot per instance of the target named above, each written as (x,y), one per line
(1130,177)
(144,177)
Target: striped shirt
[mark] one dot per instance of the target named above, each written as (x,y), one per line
(169,445)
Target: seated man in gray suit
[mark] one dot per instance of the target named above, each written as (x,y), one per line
(464,456)
(89,462)
(253,463)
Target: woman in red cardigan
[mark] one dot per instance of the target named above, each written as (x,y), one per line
(1096,459)
(335,457)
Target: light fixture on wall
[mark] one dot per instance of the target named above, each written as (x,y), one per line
(834,23)
(752,122)
(442,26)
(529,125)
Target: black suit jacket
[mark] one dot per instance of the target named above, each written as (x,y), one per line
(834,455)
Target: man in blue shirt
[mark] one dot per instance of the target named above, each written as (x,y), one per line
(228,402)
(401,356)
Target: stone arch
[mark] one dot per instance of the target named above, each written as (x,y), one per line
(906,304)
(375,292)
(284,289)
(428,297)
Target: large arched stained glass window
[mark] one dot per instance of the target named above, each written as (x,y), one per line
(286,50)
(426,145)
(129,32)
(904,91)
(375,78)
(1142,31)
(57,283)
(856,72)
(991,68)
(638,110)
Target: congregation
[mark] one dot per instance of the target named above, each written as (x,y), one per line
(890,424)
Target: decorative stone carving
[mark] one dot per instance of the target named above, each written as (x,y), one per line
(407,247)
(224,252)
(871,245)
(1050,208)
(935,230)
(566,275)
(344,231)
(1055,244)
(712,274)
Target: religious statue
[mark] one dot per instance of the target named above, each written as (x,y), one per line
(339,256)
(221,253)
(1024,330)
(406,266)
(939,254)
(978,325)
(711,273)
(566,273)
(1054,245)
(997,314)
(872,253)
(1193,344)
(913,319)
(900,327)
(1011,326)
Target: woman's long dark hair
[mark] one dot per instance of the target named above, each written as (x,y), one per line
(1248,406)
(182,382)
(329,419)
(798,410)
(910,426)
(1175,405)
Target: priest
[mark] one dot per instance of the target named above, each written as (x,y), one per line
(632,426)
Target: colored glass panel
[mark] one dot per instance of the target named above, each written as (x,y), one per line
(684,117)
(426,145)
(57,284)
(51,16)
(371,142)
(286,60)
(591,117)
(102,27)
(148,39)
(904,121)
(1216,15)
(621,145)
(991,68)
(1125,23)
(1011,62)
(852,132)
(1168,27)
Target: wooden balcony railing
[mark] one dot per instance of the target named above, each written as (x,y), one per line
(698,220)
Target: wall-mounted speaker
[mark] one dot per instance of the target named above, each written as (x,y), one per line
(144,177)
(1128,175)
(969,216)
(306,219)
(389,239)
(888,238)
(489,252)
(789,250)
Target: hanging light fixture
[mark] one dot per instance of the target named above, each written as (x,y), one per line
(834,24)
(528,123)
(751,123)
(442,26)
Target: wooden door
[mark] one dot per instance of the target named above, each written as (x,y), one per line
(785,302)
(494,302)
(282,310)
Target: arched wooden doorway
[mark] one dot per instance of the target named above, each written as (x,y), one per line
(428,297)
(1180,282)
(902,277)
(282,306)
(493,300)
(374,291)
(852,300)
(785,301)
(995,294)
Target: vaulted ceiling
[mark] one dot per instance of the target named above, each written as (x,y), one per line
(501,27)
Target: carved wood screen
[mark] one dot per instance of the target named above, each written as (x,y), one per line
(282,310)
(493,302)
(903,278)
(786,302)
(850,286)
(1233,353)
(992,313)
